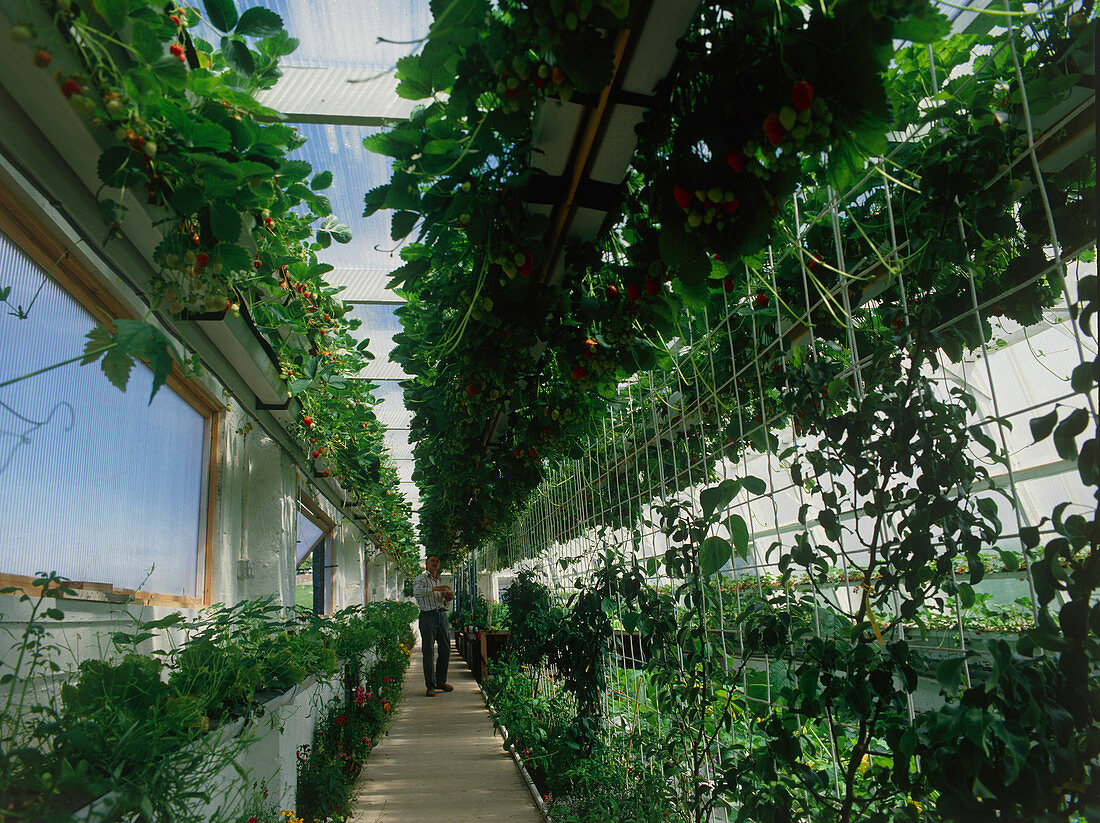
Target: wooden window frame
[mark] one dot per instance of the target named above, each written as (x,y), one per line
(27,232)
(318,518)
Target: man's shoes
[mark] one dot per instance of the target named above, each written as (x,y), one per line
(431,692)
(447,687)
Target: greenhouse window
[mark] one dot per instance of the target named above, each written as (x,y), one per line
(99,485)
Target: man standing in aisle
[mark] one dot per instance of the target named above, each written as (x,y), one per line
(432,596)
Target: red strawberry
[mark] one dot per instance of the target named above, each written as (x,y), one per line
(633,292)
(682,197)
(524,268)
(802,95)
(177,51)
(531,450)
(517,453)
(473,389)
(201,260)
(42,58)
(579,373)
(736,160)
(69,88)
(612,292)
(315,454)
(652,286)
(591,346)
(307,422)
(761,300)
(324,473)
(175,19)
(732,205)
(774,130)
(257,264)
(727,284)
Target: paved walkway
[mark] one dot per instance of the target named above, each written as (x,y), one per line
(442,761)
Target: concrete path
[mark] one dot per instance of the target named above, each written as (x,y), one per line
(442,761)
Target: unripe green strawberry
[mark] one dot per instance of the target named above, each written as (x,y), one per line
(20,33)
(788,117)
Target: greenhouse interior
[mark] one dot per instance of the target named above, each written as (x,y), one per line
(736,358)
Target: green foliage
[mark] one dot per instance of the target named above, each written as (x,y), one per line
(530,619)
(581,783)
(350,728)
(240,225)
(137,726)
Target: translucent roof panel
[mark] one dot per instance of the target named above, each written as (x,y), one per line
(361,33)
(380,324)
(364,264)
(391,412)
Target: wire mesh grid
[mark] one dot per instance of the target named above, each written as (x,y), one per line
(801,527)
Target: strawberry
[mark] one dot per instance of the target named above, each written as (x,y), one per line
(517,453)
(802,95)
(315,454)
(473,390)
(579,373)
(201,260)
(612,292)
(324,473)
(176,51)
(727,284)
(524,268)
(633,292)
(257,264)
(758,418)
(307,422)
(652,286)
(681,196)
(20,34)
(760,301)
(736,160)
(732,205)
(175,19)
(42,58)
(70,88)
(531,450)
(590,346)
(788,117)
(773,129)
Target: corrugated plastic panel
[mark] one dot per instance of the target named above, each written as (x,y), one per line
(353,33)
(340,150)
(309,94)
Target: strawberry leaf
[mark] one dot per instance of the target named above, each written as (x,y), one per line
(225,221)
(403,223)
(113,11)
(259,22)
(222,14)
(238,57)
